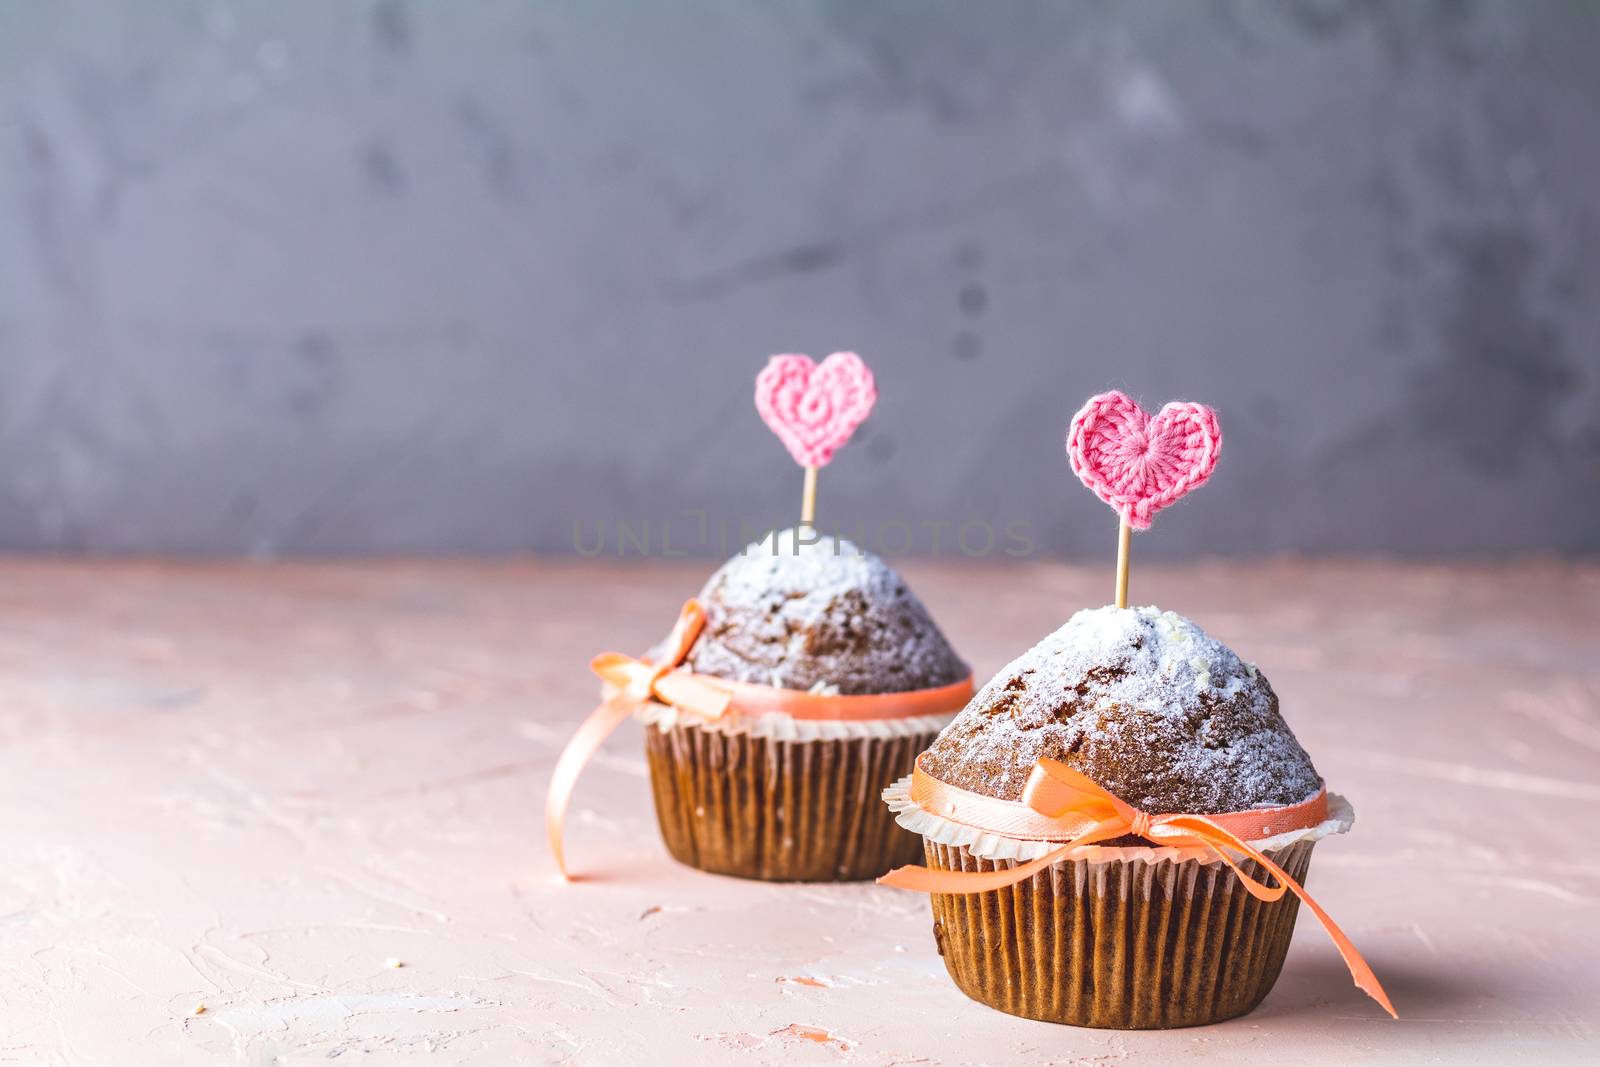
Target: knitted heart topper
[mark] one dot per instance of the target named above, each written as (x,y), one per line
(814,408)
(1139,464)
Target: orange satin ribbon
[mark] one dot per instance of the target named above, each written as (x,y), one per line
(1059,804)
(632,683)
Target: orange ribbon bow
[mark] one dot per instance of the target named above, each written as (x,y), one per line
(633,683)
(630,684)
(1059,804)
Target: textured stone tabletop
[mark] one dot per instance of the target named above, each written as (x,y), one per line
(280,814)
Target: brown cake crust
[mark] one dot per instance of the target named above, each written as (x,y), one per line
(819,613)
(1143,702)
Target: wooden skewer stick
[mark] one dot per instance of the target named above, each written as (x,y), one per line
(808,499)
(1124,545)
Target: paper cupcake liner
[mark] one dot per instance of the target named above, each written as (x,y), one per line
(1119,944)
(745,803)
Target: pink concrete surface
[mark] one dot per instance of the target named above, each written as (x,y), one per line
(279,814)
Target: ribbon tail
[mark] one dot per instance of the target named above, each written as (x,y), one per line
(926,880)
(1214,837)
(584,744)
(1360,971)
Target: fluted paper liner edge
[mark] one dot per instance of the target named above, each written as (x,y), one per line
(776,724)
(987,845)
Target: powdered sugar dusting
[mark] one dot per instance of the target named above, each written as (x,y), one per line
(1143,701)
(816,612)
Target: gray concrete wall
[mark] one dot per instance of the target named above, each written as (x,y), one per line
(311,277)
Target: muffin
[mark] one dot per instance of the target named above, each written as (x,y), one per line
(790,796)
(1125,933)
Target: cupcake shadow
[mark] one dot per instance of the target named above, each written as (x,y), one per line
(1322,984)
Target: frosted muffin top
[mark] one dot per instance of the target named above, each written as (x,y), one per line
(822,615)
(1142,701)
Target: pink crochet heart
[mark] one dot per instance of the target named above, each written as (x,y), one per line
(1137,464)
(814,408)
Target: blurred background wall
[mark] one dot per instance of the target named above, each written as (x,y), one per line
(311,277)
